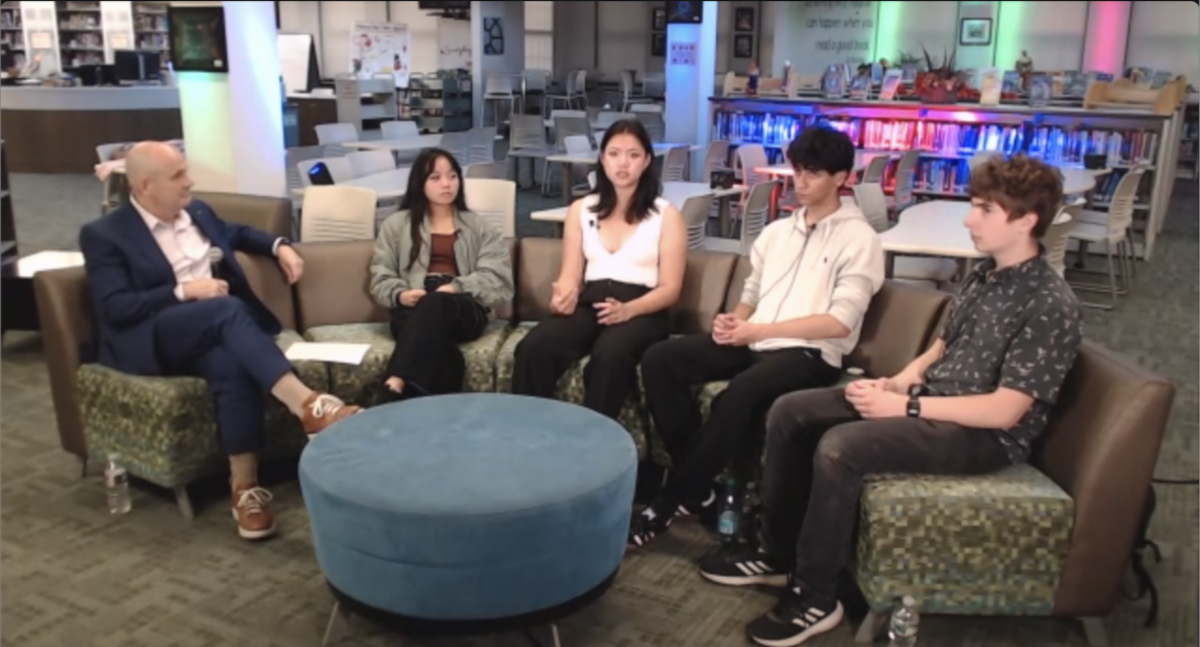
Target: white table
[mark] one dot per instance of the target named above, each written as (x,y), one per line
(403,144)
(932,228)
(1077,180)
(676,193)
(388,185)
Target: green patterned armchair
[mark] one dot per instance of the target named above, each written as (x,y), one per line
(163,427)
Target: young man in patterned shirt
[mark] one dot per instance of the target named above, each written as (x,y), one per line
(971,404)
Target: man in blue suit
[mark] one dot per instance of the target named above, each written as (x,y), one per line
(161,311)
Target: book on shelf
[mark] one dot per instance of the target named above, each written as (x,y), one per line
(1040,90)
(990,85)
(949,139)
(1012,82)
(833,84)
(891,83)
(1076,84)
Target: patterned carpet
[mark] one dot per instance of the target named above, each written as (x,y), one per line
(75,577)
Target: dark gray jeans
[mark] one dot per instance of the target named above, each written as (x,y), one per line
(818,451)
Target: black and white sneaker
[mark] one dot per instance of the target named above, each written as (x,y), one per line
(698,508)
(645,526)
(748,567)
(794,620)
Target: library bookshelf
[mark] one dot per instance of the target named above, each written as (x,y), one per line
(949,135)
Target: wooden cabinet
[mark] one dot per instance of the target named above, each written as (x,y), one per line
(311,113)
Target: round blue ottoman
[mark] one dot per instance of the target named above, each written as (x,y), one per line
(469,507)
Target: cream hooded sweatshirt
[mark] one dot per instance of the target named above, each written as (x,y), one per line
(832,268)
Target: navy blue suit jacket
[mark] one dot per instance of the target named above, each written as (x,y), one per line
(131,280)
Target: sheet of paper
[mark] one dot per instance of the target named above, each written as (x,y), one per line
(327,352)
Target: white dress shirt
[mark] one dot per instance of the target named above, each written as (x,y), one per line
(184,245)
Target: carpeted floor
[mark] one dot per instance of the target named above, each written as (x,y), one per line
(75,577)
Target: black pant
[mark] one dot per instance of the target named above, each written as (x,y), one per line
(220,341)
(672,369)
(610,376)
(818,451)
(427,336)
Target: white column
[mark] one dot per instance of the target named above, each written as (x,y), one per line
(117,22)
(233,122)
(691,83)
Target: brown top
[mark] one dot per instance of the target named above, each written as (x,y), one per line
(441,255)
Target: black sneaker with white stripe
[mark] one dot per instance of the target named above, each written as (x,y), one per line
(700,509)
(795,619)
(743,568)
(646,525)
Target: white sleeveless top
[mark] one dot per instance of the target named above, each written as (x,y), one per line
(636,262)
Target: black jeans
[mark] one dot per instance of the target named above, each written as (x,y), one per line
(614,352)
(818,451)
(427,336)
(670,372)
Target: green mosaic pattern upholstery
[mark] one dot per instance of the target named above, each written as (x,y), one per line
(981,545)
(164,427)
(363,384)
(570,388)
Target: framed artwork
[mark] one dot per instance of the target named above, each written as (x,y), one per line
(743,19)
(658,19)
(975,31)
(658,44)
(743,46)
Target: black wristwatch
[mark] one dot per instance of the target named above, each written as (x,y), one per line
(913,409)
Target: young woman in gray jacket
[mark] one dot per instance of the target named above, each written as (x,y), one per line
(439,269)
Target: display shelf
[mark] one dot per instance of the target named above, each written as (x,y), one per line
(365,100)
(12,32)
(441,104)
(8,230)
(949,135)
(1189,141)
(150,28)
(80,33)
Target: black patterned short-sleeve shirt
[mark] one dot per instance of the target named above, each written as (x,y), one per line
(1019,327)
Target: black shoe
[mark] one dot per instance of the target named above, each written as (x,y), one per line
(700,509)
(743,568)
(645,526)
(794,620)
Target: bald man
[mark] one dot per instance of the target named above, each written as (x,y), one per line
(162,312)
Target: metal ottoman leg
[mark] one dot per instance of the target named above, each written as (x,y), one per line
(338,627)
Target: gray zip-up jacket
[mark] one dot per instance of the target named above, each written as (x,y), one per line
(480,251)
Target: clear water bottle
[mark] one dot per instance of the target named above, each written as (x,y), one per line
(905,621)
(729,518)
(116,480)
(749,520)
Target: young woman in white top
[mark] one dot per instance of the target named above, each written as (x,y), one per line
(624,255)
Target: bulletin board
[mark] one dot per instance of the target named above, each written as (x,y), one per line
(378,49)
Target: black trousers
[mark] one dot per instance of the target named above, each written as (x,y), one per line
(427,336)
(219,341)
(818,451)
(672,369)
(610,376)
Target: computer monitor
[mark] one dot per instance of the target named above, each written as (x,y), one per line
(133,66)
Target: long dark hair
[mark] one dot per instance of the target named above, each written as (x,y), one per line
(415,200)
(648,186)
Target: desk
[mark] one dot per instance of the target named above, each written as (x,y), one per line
(57,130)
(416,143)
(388,185)
(932,228)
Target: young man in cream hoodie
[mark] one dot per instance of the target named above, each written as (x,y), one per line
(801,311)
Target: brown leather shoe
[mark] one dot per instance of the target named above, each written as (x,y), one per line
(322,410)
(254,518)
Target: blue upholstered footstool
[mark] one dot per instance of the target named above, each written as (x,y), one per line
(470,512)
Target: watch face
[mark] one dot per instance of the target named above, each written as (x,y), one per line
(914,408)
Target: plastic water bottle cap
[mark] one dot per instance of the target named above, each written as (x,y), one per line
(855,371)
